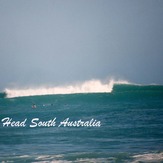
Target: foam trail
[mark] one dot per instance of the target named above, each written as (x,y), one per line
(92,86)
(151,157)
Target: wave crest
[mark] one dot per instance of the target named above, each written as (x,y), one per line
(92,86)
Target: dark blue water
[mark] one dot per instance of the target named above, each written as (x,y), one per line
(131,130)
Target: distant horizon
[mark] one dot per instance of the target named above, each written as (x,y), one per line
(75,83)
(57,42)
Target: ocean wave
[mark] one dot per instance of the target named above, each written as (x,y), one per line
(150,157)
(87,157)
(91,86)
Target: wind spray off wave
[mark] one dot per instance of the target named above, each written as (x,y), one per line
(92,86)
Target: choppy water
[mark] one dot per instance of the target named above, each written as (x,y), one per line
(131,119)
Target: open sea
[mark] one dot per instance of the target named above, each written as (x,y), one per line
(121,126)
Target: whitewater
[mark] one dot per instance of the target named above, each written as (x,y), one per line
(91,86)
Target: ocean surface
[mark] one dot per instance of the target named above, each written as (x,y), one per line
(123,125)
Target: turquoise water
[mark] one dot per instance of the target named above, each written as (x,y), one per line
(131,126)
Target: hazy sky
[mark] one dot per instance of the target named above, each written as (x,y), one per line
(62,41)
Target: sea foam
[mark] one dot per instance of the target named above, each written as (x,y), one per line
(91,86)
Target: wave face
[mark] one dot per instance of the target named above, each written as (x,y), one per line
(92,86)
(3,95)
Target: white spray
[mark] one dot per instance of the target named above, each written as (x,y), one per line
(92,86)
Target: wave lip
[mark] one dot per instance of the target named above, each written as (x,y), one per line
(92,86)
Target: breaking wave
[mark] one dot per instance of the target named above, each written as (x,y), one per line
(87,157)
(92,86)
(150,157)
